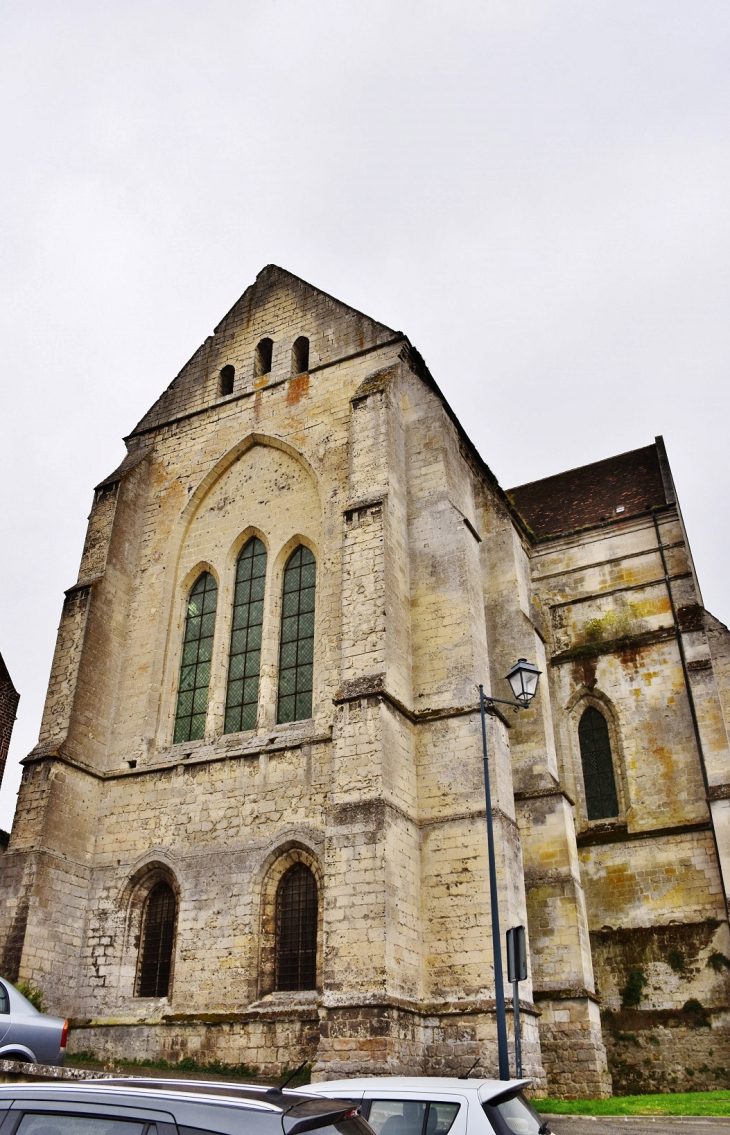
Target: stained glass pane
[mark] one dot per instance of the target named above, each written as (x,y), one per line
(245,657)
(192,700)
(296,930)
(296,650)
(598,775)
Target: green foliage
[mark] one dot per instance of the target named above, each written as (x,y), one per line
(627,1038)
(718,962)
(32,993)
(632,991)
(676,960)
(695,1009)
(690,1071)
(612,625)
(704,1068)
(671,1103)
(654,1040)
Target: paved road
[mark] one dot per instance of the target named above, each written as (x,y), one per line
(638,1125)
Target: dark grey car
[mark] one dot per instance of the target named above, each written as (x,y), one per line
(26,1034)
(170,1107)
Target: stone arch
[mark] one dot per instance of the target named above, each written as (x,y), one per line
(132,902)
(253,488)
(233,454)
(190,578)
(242,540)
(273,870)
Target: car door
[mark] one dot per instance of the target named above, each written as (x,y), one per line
(4,1010)
(415,1113)
(73,1117)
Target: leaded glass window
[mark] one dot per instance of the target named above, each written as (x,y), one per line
(296,653)
(296,930)
(598,777)
(192,697)
(158,933)
(245,659)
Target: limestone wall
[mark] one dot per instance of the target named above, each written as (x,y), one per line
(427,586)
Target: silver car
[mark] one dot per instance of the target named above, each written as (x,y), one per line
(26,1034)
(439,1105)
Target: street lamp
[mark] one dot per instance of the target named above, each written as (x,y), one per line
(523,679)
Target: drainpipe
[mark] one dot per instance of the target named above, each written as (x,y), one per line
(690,699)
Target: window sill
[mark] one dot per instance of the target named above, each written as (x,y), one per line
(602,831)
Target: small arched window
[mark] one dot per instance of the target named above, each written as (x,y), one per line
(262,358)
(296,930)
(192,697)
(156,943)
(598,776)
(296,652)
(300,355)
(245,659)
(228,374)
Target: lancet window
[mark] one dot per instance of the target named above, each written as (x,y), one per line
(245,658)
(263,357)
(296,652)
(156,944)
(296,929)
(598,775)
(300,355)
(192,698)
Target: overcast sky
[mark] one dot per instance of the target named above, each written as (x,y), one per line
(535,191)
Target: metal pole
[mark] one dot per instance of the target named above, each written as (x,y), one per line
(518,1038)
(502,1048)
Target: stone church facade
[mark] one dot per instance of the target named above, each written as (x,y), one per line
(253,827)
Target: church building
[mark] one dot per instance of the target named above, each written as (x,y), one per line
(253,828)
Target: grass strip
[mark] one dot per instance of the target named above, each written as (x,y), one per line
(670,1103)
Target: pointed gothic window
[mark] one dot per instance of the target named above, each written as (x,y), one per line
(192,697)
(245,659)
(300,355)
(262,358)
(296,930)
(598,776)
(296,652)
(157,939)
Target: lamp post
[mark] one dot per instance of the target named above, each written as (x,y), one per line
(523,679)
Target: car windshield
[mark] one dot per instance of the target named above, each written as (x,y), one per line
(514,1115)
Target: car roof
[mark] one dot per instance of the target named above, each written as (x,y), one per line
(427,1085)
(269,1099)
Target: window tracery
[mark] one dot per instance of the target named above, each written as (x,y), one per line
(157,940)
(296,651)
(192,698)
(296,930)
(598,773)
(244,664)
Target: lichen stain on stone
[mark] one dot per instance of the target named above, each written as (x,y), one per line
(584,673)
(298,387)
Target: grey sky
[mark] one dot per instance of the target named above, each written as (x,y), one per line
(535,192)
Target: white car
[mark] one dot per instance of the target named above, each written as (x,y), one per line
(436,1105)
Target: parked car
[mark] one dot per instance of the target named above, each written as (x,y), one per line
(434,1105)
(26,1034)
(170,1107)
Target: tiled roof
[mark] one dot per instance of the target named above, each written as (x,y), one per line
(631,483)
